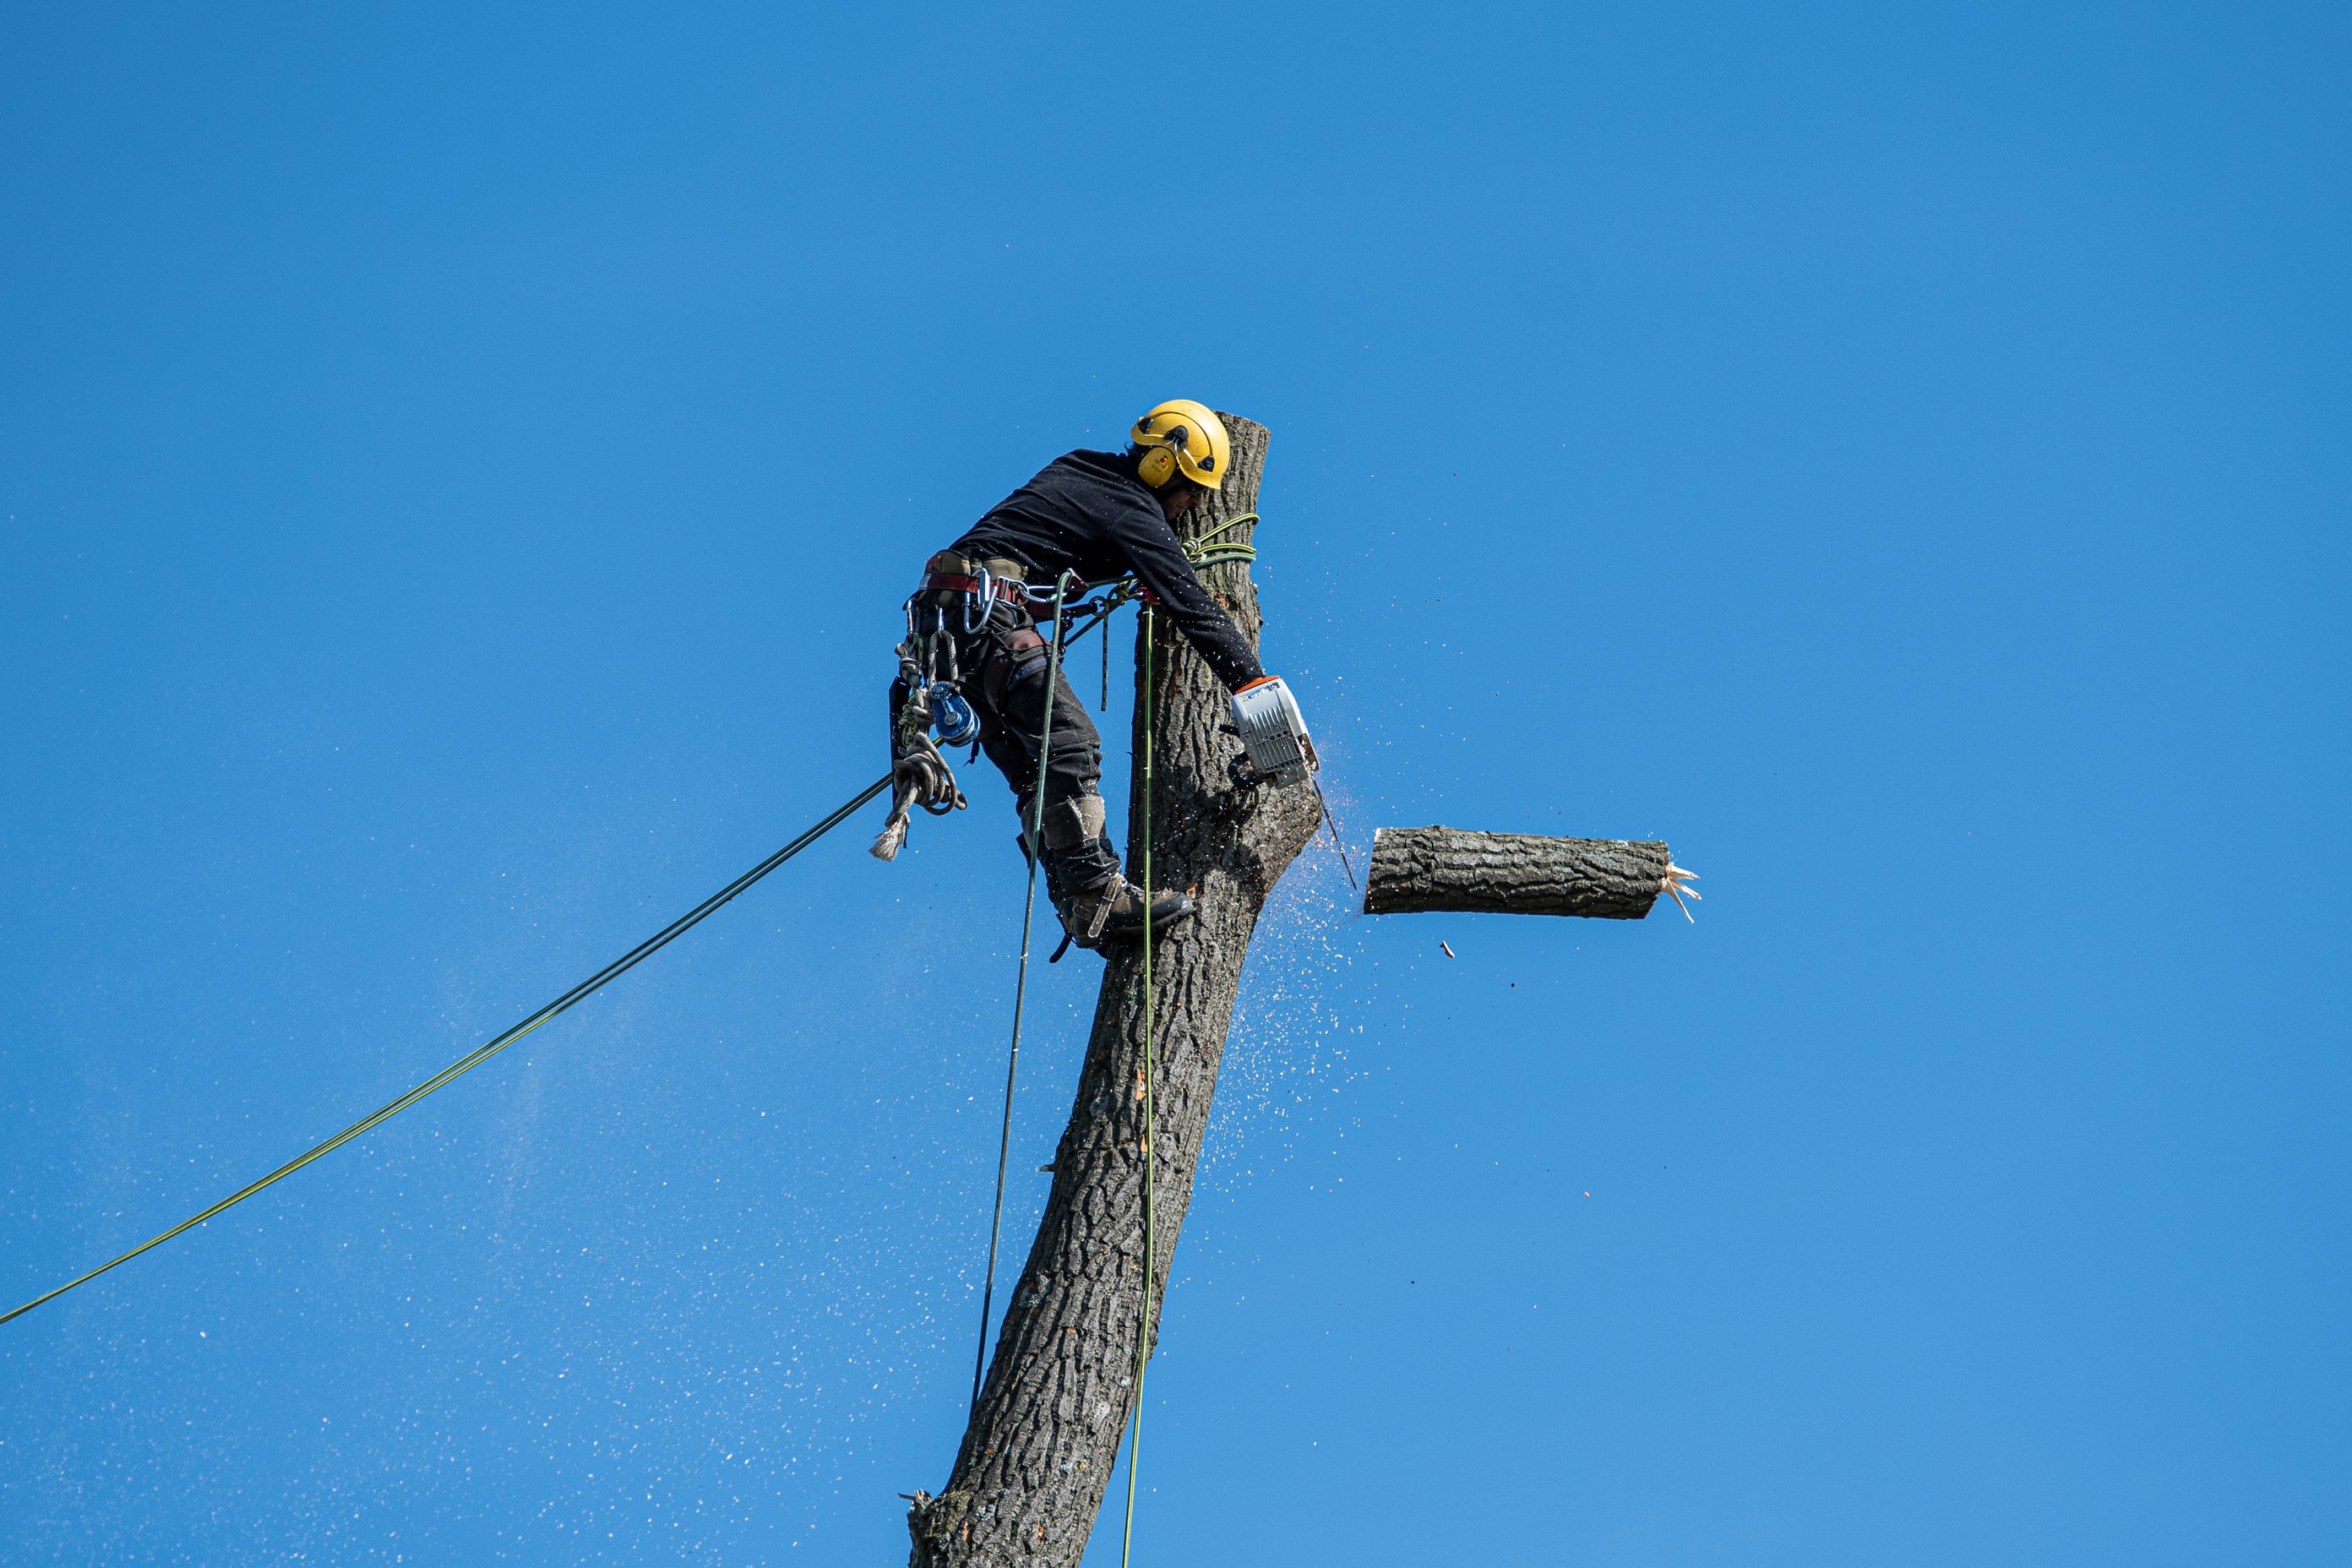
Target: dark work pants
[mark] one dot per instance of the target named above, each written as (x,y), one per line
(1009,694)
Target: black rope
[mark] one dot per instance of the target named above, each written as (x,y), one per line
(467,1063)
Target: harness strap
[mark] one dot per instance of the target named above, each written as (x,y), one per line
(997,566)
(957,582)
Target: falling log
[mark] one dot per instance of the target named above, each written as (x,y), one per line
(1419,870)
(1029,1476)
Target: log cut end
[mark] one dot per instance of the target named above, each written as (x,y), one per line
(1419,870)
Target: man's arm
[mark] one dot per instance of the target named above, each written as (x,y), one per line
(1150,547)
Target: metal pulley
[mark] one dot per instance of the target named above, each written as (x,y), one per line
(952,716)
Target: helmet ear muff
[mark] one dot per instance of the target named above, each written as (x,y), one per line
(1180,437)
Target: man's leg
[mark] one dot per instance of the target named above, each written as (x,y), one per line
(1074,811)
(1082,869)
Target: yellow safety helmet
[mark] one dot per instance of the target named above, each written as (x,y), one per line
(1182,437)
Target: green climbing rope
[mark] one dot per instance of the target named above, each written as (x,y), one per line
(476,1058)
(1021,984)
(1202,553)
(1150,1095)
(1199,551)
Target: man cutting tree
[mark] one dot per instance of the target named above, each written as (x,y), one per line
(972,630)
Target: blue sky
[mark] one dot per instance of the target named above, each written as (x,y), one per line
(459,471)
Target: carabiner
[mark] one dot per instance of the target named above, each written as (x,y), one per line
(1040,595)
(987,597)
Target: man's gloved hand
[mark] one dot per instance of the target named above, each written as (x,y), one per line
(1274,732)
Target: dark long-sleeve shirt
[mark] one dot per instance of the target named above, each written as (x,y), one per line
(1087,513)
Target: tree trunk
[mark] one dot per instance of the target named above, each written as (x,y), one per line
(1421,869)
(1038,1451)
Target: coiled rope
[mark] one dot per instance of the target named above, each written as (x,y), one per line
(467,1063)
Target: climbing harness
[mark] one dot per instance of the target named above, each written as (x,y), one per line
(934,682)
(1035,848)
(467,1063)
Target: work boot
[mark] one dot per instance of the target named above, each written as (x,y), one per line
(1082,877)
(1116,909)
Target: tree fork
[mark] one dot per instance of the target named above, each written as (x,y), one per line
(1037,1453)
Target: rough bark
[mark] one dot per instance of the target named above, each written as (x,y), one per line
(1422,869)
(1037,1454)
